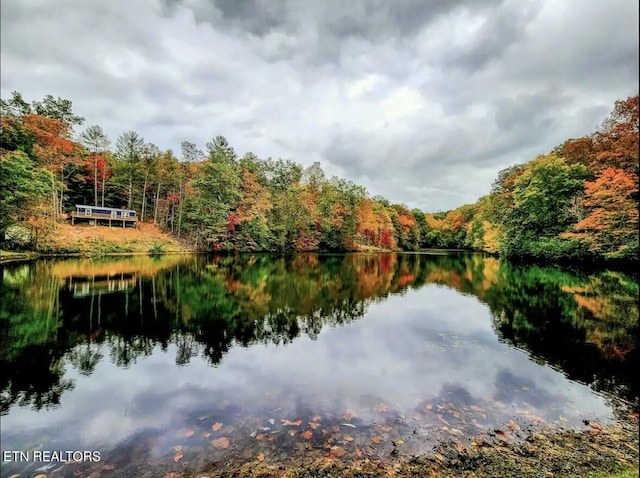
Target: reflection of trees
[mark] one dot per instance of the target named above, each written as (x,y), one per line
(541,310)
(85,357)
(33,378)
(584,323)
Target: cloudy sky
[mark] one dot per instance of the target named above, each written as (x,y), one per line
(421,101)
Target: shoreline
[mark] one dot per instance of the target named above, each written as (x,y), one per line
(593,451)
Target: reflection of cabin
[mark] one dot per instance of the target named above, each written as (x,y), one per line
(104,215)
(104,284)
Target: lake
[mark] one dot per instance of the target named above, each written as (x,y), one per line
(186,362)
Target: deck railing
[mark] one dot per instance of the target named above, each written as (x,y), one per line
(82,215)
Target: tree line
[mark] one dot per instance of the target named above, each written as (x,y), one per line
(580,200)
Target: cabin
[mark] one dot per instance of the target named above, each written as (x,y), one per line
(104,215)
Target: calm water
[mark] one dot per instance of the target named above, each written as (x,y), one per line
(181,362)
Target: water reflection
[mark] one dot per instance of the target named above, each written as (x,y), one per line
(96,343)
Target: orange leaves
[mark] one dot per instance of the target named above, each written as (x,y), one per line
(349,414)
(616,143)
(178,456)
(260,457)
(216,426)
(288,423)
(189,433)
(222,442)
(612,219)
(336,452)
(307,435)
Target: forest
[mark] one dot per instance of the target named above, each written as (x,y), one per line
(579,201)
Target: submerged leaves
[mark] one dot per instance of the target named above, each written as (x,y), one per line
(222,442)
(216,426)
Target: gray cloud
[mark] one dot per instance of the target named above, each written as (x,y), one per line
(420,101)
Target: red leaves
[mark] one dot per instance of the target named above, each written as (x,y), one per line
(612,220)
(386,239)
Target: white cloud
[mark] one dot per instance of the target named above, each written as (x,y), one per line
(407,100)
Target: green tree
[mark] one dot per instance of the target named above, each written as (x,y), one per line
(97,141)
(129,149)
(541,211)
(60,109)
(215,193)
(23,187)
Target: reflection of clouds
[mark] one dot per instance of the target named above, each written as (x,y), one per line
(512,388)
(429,342)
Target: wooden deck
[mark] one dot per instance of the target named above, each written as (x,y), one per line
(103,219)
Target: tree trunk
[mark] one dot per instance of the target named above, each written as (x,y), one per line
(181,201)
(103,185)
(155,205)
(95,178)
(61,193)
(144,198)
(54,196)
(130,202)
(173,216)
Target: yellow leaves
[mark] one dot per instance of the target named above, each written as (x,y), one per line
(216,426)
(307,435)
(429,406)
(460,447)
(513,426)
(222,442)
(313,425)
(348,438)
(375,439)
(292,433)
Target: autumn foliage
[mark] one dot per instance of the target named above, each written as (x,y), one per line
(579,200)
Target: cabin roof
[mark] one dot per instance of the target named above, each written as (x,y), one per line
(103,208)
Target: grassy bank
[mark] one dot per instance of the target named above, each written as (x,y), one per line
(101,240)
